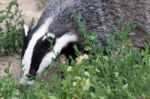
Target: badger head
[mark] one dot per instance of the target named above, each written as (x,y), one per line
(37,52)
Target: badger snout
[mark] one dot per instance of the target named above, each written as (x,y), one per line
(26,81)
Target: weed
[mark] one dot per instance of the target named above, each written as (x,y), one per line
(10,28)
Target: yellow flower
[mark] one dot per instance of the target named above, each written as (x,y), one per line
(85,56)
(69,68)
(78,78)
(87,81)
(62,59)
(79,62)
(86,85)
(86,74)
(81,58)
(74,83)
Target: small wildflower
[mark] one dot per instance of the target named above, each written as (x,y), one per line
(17,93)
(81,57)
(123,47)
(125,86)
(97,70)
(86,74)
(69,68)
(87,81)
(79,61)
(105,57)
(116,74)
(78,78)
(87,85)
(82,83)
(85,56)
(74,83)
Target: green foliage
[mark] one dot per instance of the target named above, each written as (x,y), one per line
(10,28)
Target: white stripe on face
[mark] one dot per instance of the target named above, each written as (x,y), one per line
(26,61)
(59,45)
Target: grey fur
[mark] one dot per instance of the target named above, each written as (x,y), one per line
(91,11)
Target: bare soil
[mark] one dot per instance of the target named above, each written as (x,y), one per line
(10,63)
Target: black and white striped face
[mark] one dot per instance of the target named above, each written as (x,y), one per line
(35,47)
(37,53)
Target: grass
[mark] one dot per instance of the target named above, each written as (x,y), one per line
(122,72)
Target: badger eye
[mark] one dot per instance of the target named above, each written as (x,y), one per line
(49,39)
(49,42)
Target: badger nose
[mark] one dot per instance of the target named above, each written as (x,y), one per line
(24,81)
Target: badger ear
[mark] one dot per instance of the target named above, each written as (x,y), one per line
(26,29)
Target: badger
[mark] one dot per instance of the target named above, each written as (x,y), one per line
(56,23)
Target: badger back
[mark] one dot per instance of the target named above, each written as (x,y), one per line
(94,13)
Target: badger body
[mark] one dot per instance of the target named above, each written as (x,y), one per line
(56,23)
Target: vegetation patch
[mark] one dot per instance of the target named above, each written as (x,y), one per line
(10,28)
